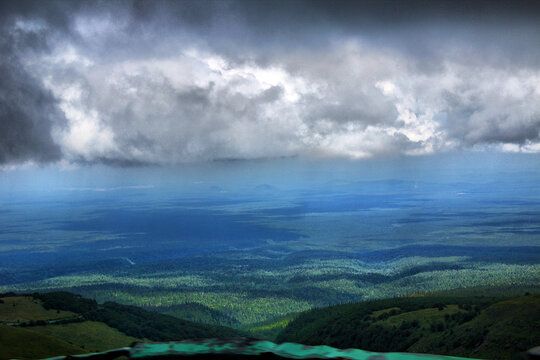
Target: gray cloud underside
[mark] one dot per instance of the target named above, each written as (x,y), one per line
(145,82)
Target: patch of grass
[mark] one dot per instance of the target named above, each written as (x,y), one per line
(90,335)
(269,329)
(425,317)
(27,344)
(26,308)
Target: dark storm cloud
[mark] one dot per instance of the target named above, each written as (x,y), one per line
(27,110)
(264,17)
(503,31)
(144,82)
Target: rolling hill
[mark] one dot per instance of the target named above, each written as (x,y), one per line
(472,326)
(63,323)
(14,343)
(489,326)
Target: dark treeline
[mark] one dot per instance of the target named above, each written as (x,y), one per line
(344,320)
(134,321)
(468,326)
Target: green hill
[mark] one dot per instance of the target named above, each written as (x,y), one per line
(21,343)
(479,327)
(63,323)
(459,324)
(501,331)
(91,336)
(134,321)
(20,309)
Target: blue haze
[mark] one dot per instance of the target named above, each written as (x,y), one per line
(68,221)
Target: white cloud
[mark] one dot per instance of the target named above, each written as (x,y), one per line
(348,99)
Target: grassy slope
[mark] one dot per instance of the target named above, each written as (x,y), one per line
(269,329)
(491,328)
(52,339)
(26,308)
(90,335)
(326,324)
(494,334)
(108,326)
(27,344)
(498,327)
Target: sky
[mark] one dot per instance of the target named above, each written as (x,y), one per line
(138,83)
(129,123)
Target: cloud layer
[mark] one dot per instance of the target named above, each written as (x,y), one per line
(170,82)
